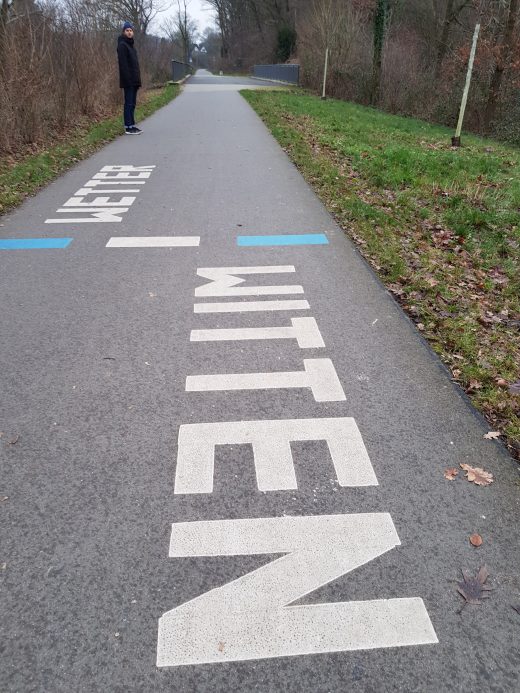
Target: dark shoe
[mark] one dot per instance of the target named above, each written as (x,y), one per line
(132,131)
(137,131)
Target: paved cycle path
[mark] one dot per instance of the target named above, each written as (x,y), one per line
(224,444)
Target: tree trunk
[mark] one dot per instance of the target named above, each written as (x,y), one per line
(503,54)
(443,41)
(380,25)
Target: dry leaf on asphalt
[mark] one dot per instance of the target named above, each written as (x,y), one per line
(492,435)
(451,473)
(473,589)
(477,475)
(221,646)
(14,440)
(475,540)
(516,607)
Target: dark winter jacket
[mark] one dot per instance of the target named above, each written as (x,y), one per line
(129,73)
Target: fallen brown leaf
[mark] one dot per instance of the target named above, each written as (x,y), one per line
(221,646)
(516,607)
(14,440)
(473,589)
(477,475)
(475,540)
(3,498)
(474,385)
(451,473)
(492,435)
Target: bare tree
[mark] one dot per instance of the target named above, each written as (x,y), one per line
(380,28)
(181,30)
(139,12)
(502,53)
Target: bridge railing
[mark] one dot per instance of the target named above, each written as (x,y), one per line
(180,70)
(278,73)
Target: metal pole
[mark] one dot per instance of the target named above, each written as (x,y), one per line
(455,141)
(325,73)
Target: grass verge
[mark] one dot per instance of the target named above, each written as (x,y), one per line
(24,175)
(441,227)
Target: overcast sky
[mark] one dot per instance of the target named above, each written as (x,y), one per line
(197,10)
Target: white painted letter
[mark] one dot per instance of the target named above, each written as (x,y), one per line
(250,618)
(95,216)
(250,306)
(99,202)
(224,281)
(318,374)
(304,330)
(273,458)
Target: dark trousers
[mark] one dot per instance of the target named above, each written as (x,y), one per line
(129,107)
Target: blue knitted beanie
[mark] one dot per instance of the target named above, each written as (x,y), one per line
(128,25)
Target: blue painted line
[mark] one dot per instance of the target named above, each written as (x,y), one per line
(287,239)
(33,243)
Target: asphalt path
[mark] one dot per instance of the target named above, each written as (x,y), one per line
(100,369)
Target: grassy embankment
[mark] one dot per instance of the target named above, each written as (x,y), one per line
(24,174)
(441,227)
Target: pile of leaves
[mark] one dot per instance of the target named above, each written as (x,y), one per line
(441,226)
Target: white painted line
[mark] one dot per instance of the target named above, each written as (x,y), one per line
(248,618)
(318,374)
(224,281)
(153,241)
(273,460)
(304,330)
(250,306)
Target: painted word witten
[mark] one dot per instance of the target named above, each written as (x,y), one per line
(253,617)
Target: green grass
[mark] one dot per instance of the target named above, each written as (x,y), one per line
(441,226)
(23,176)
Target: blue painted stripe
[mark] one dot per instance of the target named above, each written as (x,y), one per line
(33,243)
(287,239)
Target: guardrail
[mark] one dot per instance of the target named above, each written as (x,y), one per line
(278,73)
(180,70)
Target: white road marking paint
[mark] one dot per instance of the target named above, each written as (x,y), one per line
(99,202)
(273,458)
(224,281)
(250,618)
(153,241)
(103,209)
(126,176)
(101,183)
(318,374)
(304,330)
(90,191)
(96,216)
(250,306)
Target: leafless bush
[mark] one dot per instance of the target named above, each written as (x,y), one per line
(339,27)
(58,66)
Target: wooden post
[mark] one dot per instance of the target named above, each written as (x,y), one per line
(325,73)
(455,141)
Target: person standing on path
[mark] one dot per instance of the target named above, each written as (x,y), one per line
(129,76)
